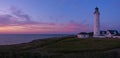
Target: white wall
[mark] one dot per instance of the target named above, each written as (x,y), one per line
(82,36)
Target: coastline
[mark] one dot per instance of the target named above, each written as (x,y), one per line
(9,39)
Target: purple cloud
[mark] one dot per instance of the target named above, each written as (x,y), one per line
(19,13)
(16,17)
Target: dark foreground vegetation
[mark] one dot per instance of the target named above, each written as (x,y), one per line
(64,47)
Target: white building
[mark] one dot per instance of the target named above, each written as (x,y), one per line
(103,34)
(112,34)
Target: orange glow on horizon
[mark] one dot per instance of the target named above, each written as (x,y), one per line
(40,28)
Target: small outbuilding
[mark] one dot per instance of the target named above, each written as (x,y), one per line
(83,35)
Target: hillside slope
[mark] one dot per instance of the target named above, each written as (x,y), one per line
(62,47)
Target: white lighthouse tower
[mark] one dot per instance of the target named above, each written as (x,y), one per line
(96,22)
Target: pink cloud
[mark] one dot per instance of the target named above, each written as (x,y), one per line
(19,22)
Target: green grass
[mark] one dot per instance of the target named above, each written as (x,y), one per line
(78,45)
(64,47)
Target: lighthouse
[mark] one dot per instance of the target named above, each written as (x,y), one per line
(96,32)
(96,22)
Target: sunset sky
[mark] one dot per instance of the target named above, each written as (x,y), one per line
(56,16)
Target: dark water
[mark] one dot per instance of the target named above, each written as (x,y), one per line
(7,39)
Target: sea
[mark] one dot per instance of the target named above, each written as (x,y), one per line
(9,39)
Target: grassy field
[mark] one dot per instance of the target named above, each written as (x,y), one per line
(78,45)
(64,47)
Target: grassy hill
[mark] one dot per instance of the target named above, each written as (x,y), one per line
(64,47)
